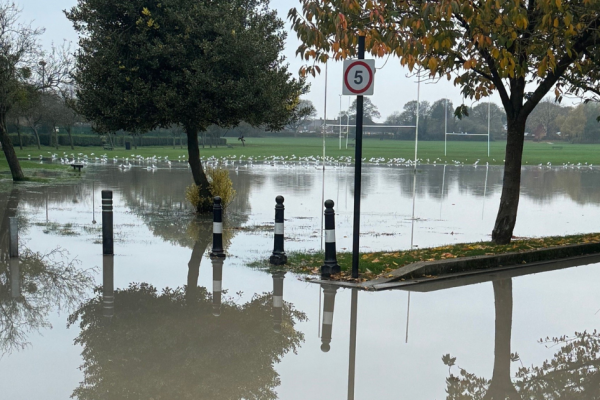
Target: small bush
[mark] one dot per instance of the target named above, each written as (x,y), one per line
(220,184)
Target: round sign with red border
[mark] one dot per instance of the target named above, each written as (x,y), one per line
(358,77)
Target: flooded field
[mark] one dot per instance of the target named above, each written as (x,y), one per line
(173,334)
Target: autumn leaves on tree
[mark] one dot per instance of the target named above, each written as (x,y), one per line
(520,49)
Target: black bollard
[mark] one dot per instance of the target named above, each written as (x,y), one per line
(278,257)
(108,287)
(217,264)
(217,247)
(107,223)
(13,237)
(329,292)
(330,265)
(278,300)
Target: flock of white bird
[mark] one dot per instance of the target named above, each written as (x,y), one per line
(293,161)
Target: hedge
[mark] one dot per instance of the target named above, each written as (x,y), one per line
(97,140)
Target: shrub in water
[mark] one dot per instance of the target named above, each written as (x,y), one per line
(220,184)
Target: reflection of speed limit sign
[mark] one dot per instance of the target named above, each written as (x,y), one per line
(359,77)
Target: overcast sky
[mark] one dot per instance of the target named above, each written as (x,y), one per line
(392,88)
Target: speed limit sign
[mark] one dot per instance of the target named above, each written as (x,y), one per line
(359,77)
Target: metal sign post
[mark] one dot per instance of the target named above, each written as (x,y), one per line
(358,78)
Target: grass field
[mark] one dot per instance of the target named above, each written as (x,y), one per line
(466,152)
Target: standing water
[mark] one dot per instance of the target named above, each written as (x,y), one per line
(185,326)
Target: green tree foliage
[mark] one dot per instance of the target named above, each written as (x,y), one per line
(143,65)
(580,125)
(477,120)
(547,115)
(370,111)
(168,346)
(304,112)
(522,49)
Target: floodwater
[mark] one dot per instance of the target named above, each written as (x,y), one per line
(172,334)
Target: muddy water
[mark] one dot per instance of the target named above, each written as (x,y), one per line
(169,344)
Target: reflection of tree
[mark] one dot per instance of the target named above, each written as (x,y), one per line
(168,346)
(158,199)
(10,210)
(30,288)
(573,373)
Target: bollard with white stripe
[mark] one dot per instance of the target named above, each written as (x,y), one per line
(217,264)
(278,257)
(329,292)
(278,300)
(108,288)
(330,266)
(217,247)
(107,222)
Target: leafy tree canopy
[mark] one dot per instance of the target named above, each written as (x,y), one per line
(195,63)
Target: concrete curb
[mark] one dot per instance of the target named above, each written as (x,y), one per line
(481,263)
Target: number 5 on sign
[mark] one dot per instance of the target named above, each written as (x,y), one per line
(359,77)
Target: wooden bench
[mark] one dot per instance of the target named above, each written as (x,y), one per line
(557,147)
(77,167)
(107,147)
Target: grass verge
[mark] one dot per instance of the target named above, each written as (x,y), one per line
(378,264)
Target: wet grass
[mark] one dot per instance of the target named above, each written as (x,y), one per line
(380,263)
(467,152)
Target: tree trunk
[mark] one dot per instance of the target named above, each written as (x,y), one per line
(110,140)
(501,386)
(134,142)
(55,136)
(511,184)
(37,136)
(20,138)
(197,172)
(70,138)
(9,152)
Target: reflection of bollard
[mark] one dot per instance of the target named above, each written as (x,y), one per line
(15,278)
(107,222)
(278,300)
(13,237)
(330,265)
(329,292)
(108,287)
(217,247)
(217,264)
(278,257)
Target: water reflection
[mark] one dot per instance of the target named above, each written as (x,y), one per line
(329,292)
(573,373)
(31,288)
(167,345)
